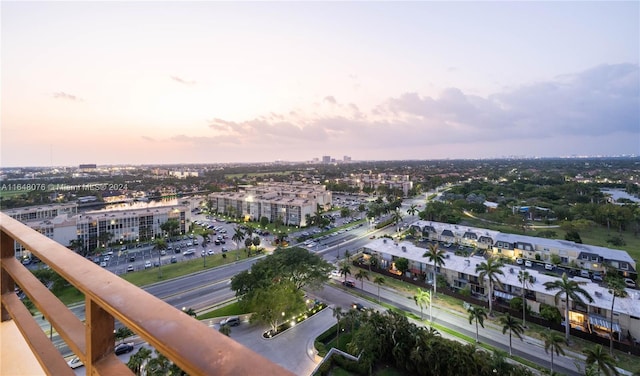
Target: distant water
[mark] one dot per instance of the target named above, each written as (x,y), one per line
(618,193)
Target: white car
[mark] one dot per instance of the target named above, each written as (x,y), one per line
(103,264)
(335,273)
(528,263)
(75,363)
(210,252)
(629,282)
(147,265)
(107,258)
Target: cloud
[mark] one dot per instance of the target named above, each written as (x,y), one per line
(147,138)
(595,103)
(330,99)
(63,95)
(182,80)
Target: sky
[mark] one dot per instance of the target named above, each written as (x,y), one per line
(216,82)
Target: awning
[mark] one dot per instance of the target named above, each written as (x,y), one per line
(503,295)
(601,321)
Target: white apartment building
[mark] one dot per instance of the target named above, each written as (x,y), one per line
(460,271)
(373,181)
(293,203)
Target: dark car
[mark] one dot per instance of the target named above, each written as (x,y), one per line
(174,259)
(123,348)
(132,258)
(358,306)
(348,284)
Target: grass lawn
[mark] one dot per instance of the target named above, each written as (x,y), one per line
(152,275)
(232,309)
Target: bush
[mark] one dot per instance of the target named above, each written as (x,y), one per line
(550,313)
(516,303)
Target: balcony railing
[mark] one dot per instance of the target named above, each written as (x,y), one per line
(190,344)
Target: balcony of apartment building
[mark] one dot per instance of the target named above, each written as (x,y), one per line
(26,349)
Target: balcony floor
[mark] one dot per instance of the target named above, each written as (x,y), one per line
(17,359)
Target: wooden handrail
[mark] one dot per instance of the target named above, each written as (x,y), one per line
(190,344)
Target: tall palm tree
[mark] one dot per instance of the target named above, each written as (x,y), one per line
(526,279)
(513,326)
(436,256)
(552,342)
(396,217)
(238,237)
(345,270)
(379,281)
(490,269)
(478,314)
(159,245)
(338,314)
(570,290)
(616,287)
(604,362)
(361,275)
(422,298)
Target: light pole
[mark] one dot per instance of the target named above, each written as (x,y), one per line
(50,328)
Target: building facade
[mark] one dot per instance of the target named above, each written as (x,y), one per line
(292,203)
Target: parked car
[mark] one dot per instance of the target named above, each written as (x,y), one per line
(132,258)
(189,252)
(528,263)
(597,277)
(103,264)
(75,363)
(163,252)
(210,252)
(348,283)
(519,261)
(231,321)
(130,268)
(123,348)
(147,265)
(174,259)
(629,282)
(335,273)
(548,266)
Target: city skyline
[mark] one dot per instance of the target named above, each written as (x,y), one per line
(207,82)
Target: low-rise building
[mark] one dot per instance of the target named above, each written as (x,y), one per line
(460,272)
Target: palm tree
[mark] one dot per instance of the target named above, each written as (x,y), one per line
(379,281)
(435,255)
(422,298)
(552,341)
(570,289)
(238,237)
(225,329)
(604,362)
(345,270)
(396,217)
(159,245)
(338,314)
(527,280)
(513,326)
(361,275)
(490,269)
(616,287)
(138,360)
(413,209)
(478,314)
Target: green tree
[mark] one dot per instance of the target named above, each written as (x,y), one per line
(225,329)
(122,333)
(616,287)
(526,279)
(490,270)
(396,217)
(338,314)
(402,264)
(422,298)
(238,237)
(513,326)
(361,275)
(436,256)
(552,342)
(170,227)
(570,290)
(138,360)
(277,303)
(379,280)
(158,365)
(158,246)
(413,209)
(477,314)
(345,270)
(602,360)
